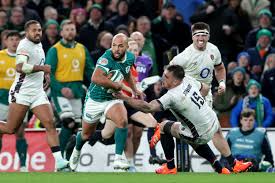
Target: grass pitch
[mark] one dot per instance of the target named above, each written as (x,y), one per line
(135,178)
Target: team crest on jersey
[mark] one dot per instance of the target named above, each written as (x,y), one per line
(127,69)
(103,61)
(212,57)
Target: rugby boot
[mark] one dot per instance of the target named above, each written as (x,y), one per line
(74,159)
(163,169)
(241,166)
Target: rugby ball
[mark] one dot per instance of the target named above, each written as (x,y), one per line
(115,76)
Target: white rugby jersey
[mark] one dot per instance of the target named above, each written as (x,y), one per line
(29,84)
(199,64)
(189,107)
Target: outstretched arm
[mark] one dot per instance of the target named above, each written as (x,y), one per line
(141,105)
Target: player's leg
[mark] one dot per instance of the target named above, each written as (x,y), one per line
(103,135)
(45,114)
(129,149)
(22,146)
(168,146)
(221,144)
(204,151)
(3,117)
(120,132)
(87,130)
(15,117)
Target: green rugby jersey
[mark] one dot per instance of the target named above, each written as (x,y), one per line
(108,64)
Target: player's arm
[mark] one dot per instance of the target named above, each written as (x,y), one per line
(204,90)
(22,65)
(220,75)
(141,105)
(132,84)
(99,77)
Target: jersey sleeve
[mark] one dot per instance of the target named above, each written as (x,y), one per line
(22,52)
(165,101)
(218,60)
(179,60)
(104,64)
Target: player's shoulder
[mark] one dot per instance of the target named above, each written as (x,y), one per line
(130,56)
(212,47)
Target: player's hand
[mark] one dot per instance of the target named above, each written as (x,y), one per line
(221,88)
(47,81)
(118,86)
(119,95)
(140,95)
(47,69)
(67,92)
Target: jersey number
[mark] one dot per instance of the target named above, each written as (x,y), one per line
(198,100)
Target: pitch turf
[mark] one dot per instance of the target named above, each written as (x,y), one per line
(135,178)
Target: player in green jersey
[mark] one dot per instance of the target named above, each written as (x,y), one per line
(111,68)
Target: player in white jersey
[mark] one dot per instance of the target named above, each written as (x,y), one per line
(197,122)
(200,60)
(27,90)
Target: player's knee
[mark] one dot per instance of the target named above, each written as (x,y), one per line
(130,132)
(175,129)
(136,137)
(10,130)
(166,126)
(122,123)
(68,123)
(48,123)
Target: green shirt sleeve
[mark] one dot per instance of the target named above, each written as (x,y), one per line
(89,66)
(51,59)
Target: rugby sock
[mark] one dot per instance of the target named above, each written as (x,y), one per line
(21,148)
(56,153)
(95,137)
(120,139)
(231,160)
(168,146)
(150,133)
(205,152)
(0,144)
(64,137)
(79,141)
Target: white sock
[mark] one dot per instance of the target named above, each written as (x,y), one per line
(131,161)
(57,155)
(118,156)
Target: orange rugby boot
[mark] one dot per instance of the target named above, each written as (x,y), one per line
(241,166)
(163,169)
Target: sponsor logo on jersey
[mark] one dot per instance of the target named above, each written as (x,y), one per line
(205,72)
(103,61)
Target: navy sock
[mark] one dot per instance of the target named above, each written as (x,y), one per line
(231,160)
(150,133)
(168,146)
(205,152)
(95,137)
